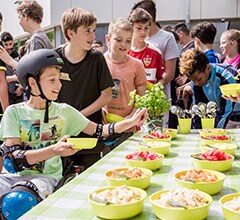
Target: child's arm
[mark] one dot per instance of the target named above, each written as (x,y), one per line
(6,58)
(104,99)
(61,148)
(3,90)
(170,66)
(136,120)
(141,89)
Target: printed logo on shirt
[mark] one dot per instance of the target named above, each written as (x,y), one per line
(151,74)
(32,131)
(147,60)
(65,76)
(116,88)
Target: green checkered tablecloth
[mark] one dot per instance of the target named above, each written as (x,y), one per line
(70,202)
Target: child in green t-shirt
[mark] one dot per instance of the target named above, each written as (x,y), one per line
(35,134)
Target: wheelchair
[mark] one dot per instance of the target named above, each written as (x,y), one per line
(70,171)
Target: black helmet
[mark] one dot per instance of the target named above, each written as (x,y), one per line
(30,66)
(32,63)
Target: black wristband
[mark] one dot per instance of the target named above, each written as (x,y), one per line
(111,130)
(98,132)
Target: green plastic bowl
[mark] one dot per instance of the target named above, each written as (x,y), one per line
(169,213)
(206,141)
(141,183)
(82,143)
(222,165)
(212,131)
(230,89)
(110,118)
(228,213)
(155,146)
(208,187)
(145,140)
(225,147)
(117,211)
(170,131)
(148,164)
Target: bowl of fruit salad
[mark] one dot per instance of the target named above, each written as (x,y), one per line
(216,139)
(226,147)
(117,202)
(181,204)
(170,131)
(129,176)
(212,131)
(230,204)
(145,159)
(155,146)
(208,181)
(156,136)
(213,160)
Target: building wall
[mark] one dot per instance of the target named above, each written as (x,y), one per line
(106,10)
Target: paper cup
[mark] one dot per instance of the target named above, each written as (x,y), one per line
(207,122)
(184,125)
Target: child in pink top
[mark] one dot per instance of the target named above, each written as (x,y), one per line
(150,56)
(230,46)
(127,72)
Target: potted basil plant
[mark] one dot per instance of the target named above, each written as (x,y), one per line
(154,101)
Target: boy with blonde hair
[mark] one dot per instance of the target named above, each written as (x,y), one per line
(86,82)
(127,72)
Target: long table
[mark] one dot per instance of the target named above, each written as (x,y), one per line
(70,201)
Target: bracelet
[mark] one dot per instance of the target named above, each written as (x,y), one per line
(111,130)
(98,132)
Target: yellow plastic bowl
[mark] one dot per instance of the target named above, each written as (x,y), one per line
(148,164)
(170,131)
(212,131)
(169,213)
(110,118)
(206,141)
(82,143)
(230,89)
(117,211)
(221,166)
(225,147)
(207,187)
(155,146)
(145,140)
(141,183)
(228,213)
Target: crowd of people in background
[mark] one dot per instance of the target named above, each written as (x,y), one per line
(96,77)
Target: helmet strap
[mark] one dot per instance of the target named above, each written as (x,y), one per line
(46,119)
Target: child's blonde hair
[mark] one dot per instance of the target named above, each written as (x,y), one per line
(119,24)
(74,18)
(233,35)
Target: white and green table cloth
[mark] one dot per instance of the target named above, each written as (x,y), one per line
(70,201)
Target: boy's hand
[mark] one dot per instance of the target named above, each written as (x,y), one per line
(62,148)
(231,98)
(104,112)
(140,116)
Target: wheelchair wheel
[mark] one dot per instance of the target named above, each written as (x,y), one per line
(65,180)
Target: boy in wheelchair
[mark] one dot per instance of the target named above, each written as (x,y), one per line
(30,154)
